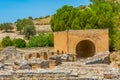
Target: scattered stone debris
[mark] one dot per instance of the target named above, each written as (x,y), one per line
(24,65)
(54,66)
(44,64)
(1,66)
(98,59)
(65,71)
(110,76)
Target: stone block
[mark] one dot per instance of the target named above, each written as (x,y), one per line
(35,66)
(44,64)
(110,76)
(43,56)
(50,54)
(26,57)
(52,63)
(35,55)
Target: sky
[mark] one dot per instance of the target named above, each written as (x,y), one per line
(11,10)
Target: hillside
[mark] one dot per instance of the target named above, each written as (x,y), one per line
(43,24)
(42,21)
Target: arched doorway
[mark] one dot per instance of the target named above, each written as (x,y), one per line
(84,49)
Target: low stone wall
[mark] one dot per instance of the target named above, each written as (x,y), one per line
(65,71)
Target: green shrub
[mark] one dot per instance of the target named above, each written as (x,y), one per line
(6,41)
(1,48)
(51,39)
(19,43)
(41,40)
(33,42)
(116,40)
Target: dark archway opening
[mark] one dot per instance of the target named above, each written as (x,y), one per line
(84,49)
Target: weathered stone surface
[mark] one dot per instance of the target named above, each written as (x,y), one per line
(9,53)
(67,57)
(57,59)
(43,56)
(37,68)
(97,59)
(66,71)
(44,64)
(24,65)
(115,59)
(110,76)
(1,66)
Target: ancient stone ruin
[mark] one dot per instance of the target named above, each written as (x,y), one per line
(78,55)
(81,43)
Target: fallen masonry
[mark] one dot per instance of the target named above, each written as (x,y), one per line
(55,66)
(65,71)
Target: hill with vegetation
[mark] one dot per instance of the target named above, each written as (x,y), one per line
(27,33)
(42,24)
(42,20)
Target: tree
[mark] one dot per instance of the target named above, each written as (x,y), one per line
(62,20)
(30,17)
(6,41)
(82,7)
(19,43)
(22,23)
(18,20)
(114,4)
(116,40)
(108,15)
(96,2)
(50,39)
(29,30)
(68,17)
(1,26)
(6,26)
(100,14)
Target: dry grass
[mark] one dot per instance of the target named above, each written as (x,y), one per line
(43,25)
(43,21)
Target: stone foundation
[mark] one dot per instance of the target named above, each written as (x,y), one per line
(65,71)
(57,66)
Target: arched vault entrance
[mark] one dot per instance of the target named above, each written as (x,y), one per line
(84,49)
(83,43)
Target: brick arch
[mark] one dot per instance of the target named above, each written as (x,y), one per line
(85,48)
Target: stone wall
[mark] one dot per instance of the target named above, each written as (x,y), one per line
(46,59)
(66,41)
